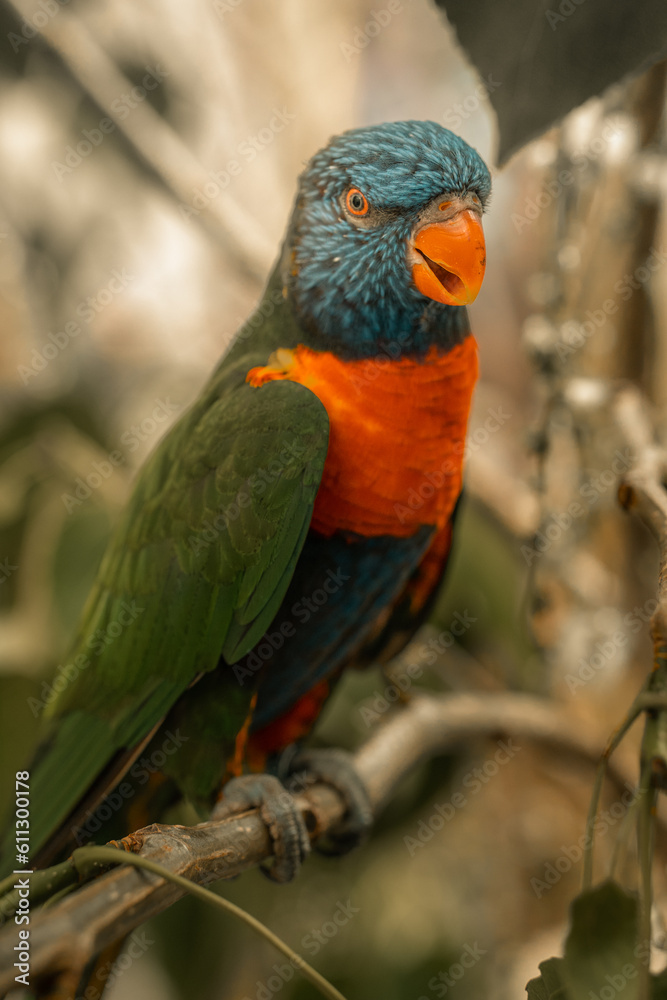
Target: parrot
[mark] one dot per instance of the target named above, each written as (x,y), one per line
(294,522)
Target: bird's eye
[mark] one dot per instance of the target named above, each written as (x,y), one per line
(356,202)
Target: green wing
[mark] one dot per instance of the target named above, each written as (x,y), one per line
(196,568)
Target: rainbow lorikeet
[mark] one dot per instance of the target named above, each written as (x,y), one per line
(297,519)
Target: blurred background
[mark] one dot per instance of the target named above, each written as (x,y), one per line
(148,160)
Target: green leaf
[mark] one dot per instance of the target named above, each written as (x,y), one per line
(550,985)
(550,36)
(601,947)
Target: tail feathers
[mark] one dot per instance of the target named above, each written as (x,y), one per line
(69,835)
(99,971)
(90,981)
(81,760)
(66,764)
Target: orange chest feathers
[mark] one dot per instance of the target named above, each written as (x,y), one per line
(397,435)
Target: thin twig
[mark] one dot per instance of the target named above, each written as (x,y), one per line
(116,856)
(504,493)
(112,905)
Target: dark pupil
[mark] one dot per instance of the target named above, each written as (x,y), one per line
(357,202)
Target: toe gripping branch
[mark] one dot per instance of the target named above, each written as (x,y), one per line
(282,816)
(336,768)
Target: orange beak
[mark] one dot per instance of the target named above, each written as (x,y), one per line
(453,259)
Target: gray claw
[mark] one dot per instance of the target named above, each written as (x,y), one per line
(291,843)
(336,768)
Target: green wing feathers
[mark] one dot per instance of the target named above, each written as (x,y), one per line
(197,567)
(206,545)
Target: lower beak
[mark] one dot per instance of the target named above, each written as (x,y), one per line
(452,259)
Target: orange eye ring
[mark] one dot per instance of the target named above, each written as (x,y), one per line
(356,202)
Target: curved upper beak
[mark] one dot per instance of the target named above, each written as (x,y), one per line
(451,259)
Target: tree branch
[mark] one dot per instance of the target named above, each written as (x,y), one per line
(104,910)
(643,492)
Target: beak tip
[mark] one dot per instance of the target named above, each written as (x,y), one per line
(453,259)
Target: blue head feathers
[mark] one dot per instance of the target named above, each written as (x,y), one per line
(349,278)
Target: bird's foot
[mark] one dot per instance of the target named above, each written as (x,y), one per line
(336,768)
(291,843)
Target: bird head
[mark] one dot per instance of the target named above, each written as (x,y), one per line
(386,236)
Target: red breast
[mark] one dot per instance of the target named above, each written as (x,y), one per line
(397,435)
